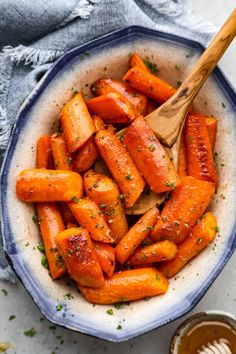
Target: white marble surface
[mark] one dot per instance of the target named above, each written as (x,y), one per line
(221,295)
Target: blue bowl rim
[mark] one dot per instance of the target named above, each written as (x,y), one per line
(10,248)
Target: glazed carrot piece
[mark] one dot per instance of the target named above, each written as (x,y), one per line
(158,252)
(77,251)
(40,185)
(85,157)
(106,257)
(182,158)
(90,217)
(112,108)
(135,60)
(198,147)
(66,213)
(136,99)
(149,84)
(121,166)
(136,235)
(200,237)
(185,206)
(98,123)
(62,159)
(77,123)
(105,193)
(71,225)
(150,157)
(151,106)
(44,152)
(211,125)
(50,223)
(128,285)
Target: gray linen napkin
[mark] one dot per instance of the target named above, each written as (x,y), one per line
(33,34)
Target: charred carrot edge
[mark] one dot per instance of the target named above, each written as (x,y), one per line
(198,147)
(77,251)
(201,235)
(135,60)
(62,159)
(41,185)
(122,169)
(90,217)
(211,124)
(77,123)
(106,257)
(50,223)
(185,206)
(128,285)
(104,192)
(158,252)
(112,108)
(44,152)
(136,235)
(150,157)
(151,85)
(85,157)
(136,99)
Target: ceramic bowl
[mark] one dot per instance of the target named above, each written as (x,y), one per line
(107,56)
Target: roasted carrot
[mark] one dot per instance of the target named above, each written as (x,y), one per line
(198,147)
(90,217)
(98,123)
(128,285)
(44,152)
(185,206)
(211,124)
(158,252)
(150,157)
(151,106)
(40,185)
(50,223)
(121,166)
(149,84)
(136,235)
(136,99)
(135,60)
(199,238)
(104,192)
(182,158)
(85,156)
(77,251)
(62,159)
(71,225)
(112,108)
(106,257)
(66,213)
(76,123)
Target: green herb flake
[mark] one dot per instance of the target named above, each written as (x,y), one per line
(110,312)
(75,199)
(4,291)
(190,138)
(179,83)
(59,307)
(30,332)
(119,327)
(27,244)
(121,196)
(35,219)
(12,317)
(177,66)
(199,240)
(69,160)
(151,66)
(41,248)
(68,296)
(151,137)
(129,177)
(147,298)
(222,104)
(164,218)
(44,262)
(152,148)
(158,277)
(217,229)
(102,206)
(118,306)
(121,138)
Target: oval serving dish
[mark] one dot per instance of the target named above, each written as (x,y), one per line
(77,69)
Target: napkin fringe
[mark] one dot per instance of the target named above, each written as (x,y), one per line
(5,74)
(83,10)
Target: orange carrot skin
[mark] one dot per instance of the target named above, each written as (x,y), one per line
(121,166)
(40,185)
(136,99)
(85,157)
(98,123)
(211,124)
(149,84)
(77,123)
(106,257)
(44,152)
(62,159)
(104,192)
(150,157)
(201,235)
(71,225)
(182,158)
(112,108)
(198,147)
(128,285)
(135,60)
(185,206)
(90,217)
(50,223)
(136,235)
(158,252)
(77,251)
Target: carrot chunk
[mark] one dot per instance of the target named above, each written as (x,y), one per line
(44,152)
(182,158)
(62,159)
(85,157)
(135,60)
(211,124)
(106,257)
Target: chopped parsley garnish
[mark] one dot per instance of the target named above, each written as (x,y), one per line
(152,148)
(128,177)
(164,218)
(102,206)
(44,262)
(121,196)
(41,248)
(5,292)
(199,240)
(110,312)
(151,66)
(179,83)
(12,317)
(119,327)
(59,307)
(222,104)
(75,199)
(69,160)
(35,219)
(217,229)
(68,296)
(177,66)
(30,332)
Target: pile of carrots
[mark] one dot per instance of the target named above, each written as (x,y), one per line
(82,213)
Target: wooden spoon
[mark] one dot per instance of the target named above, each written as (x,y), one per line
(167,120)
